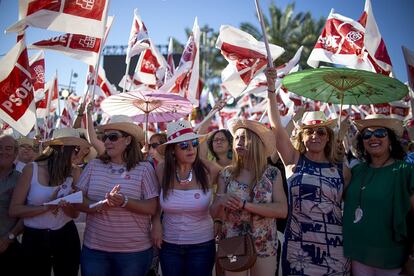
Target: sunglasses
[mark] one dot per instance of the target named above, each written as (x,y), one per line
(113,137)
(77,149)
(154,145)
(378,133)
(185,145)
(318,131)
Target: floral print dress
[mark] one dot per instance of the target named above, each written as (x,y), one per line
(262,229)
(313,237)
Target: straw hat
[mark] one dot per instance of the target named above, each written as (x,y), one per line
(316,119)
(179,131)
(23,140)
(265,134)
(67,137)
(380,120)
(125,124)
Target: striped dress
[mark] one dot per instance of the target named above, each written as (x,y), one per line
(117,229)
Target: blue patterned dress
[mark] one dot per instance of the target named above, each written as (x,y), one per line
(313,236)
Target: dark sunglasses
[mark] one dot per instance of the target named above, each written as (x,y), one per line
(185,145)
(319,131)
(378,133)
(113,137)
(154,145)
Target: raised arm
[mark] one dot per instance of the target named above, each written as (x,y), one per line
(92,137)
(287,152)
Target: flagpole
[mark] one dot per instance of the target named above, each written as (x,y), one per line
(126,75)
(266,42)
(95,77)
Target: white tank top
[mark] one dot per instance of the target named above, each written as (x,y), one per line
(186,218)
(39,194)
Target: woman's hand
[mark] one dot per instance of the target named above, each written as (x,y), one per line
(156,234)
(115,198)
(233,202)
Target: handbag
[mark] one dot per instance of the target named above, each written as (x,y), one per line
(236,253)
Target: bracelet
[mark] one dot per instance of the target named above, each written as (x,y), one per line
(271,91)
(125,201)
(244,204)
(219,221)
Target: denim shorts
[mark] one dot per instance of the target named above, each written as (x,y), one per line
(187,259)
(102,263)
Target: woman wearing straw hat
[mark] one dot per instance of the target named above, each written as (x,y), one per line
(186,237)
(379,201)
(250,193)
(313,235)
(120,195)
(50,238)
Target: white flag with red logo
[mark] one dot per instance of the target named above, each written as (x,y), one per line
(170,61)
(409,62)
(150,67)
(49,103)
(105,88)
(37,70)
(138,37)
(17,105)
(246,56)
(185,80)
(84,17)
(82,47)
(373,41)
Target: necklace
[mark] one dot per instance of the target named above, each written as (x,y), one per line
(184,180)
(359,213)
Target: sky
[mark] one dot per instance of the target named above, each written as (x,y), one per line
(165,18)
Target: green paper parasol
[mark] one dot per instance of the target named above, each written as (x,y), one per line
(345,86)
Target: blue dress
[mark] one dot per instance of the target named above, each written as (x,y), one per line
(313,237)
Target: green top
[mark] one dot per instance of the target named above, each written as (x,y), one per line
(380,239)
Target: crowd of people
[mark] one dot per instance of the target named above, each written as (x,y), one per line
(170,201)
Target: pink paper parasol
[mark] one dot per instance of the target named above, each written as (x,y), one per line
(148,106)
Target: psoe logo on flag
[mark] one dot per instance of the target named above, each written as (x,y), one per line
(85,4)
(12,101)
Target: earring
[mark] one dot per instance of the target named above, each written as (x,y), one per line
(390,148)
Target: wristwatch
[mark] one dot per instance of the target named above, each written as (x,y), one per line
(11,236)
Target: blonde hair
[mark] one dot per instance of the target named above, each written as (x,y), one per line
(297,141)
(255,157)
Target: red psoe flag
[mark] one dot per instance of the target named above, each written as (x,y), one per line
(17,105)
(49,103)
(409,62)
(138,37)
(247,57)
(82,47)
(37,70)
(373,42)
(84,17)
(105,88)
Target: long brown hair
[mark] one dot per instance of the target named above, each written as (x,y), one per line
(132,154)
(59,162)
(170,166)
(255,157)
(297,141)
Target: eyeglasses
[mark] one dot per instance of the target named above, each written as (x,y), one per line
(154,145)
(219,140)
(185,145)
(378,133)
(318,131)
(26,147)
(77,149)
(113,137)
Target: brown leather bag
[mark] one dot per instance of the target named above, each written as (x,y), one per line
(236,253)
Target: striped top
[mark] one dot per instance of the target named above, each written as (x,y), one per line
(186,218)
(117,229)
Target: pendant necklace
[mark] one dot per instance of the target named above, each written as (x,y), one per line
(359,213)
(186,180)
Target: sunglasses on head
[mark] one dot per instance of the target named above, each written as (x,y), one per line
(154,145)
(186,144)
(378,133)
(113,137)
(319,131)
